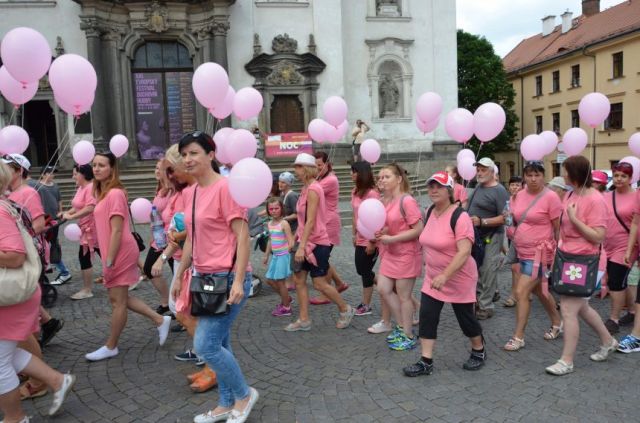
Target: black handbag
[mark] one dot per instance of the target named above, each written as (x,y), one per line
(209,293)
(136,235)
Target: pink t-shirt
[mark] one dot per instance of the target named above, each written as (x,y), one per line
(616,238)
(318,235)
(28,198)
(174,206)
(401,260)
(125,266)
(538,223)
(214,245)
(460,193)
(439,246)
(592,211)
(355,205)
(18,320)
(83,198)
(331,189)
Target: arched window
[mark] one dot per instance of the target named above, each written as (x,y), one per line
(164,101)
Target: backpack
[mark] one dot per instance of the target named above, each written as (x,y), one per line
(427,213)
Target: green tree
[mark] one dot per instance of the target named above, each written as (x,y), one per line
(482,79)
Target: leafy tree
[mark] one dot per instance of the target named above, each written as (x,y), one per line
(481,79)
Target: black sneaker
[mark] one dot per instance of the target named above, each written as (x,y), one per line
(177,328)
(612,326)
(475,361)
(418,369)
(49,330)
(161,310)
(496,297)
(627,319)
(188,355)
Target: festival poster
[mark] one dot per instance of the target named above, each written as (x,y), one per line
(151,134)
(180,104)
(288,144)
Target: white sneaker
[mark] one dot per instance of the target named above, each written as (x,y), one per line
(242,416)
(102,353)
(61,394)
(209,417)
(605,350)
(163,329)
(380,327)
(61,279)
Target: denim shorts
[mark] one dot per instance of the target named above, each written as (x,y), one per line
(322,254)
(526,268)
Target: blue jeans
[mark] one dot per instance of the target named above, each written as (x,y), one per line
(212,344)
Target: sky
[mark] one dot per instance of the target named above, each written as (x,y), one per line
(506,22)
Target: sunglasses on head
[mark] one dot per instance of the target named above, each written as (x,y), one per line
(622,166)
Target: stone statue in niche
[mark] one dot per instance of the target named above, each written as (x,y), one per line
(389,97)
(388,8)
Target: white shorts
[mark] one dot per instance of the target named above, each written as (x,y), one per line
(12,361)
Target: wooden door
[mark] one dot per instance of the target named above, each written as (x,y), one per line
(287,114)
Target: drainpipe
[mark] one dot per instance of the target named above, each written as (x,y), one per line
(521,121)
(593,144)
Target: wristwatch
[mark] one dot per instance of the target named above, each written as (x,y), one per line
(164,257)
(483,222)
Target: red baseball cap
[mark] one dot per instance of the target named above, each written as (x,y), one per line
(442,178)
(599,176)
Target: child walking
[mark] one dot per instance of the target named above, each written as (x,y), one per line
(279,248)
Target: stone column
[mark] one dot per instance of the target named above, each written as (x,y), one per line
(113,82)
(406,96)
(94,48)
(220,29)
(205,41)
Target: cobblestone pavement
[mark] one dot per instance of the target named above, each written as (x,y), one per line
(333,375)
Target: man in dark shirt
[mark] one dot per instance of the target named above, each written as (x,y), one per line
(485,208)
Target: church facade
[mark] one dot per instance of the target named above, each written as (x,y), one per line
(380,55)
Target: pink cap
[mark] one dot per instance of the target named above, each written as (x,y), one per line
(599,176)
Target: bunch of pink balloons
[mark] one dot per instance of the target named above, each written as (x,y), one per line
(73,232)
(119,145)
(634,143)
(141,210)
(334,126)
(74,82)
(459,125)
(13,140)
(371,217)
(488,121)
(635,162)
(250,182)
(594,108)
(370,150)
(83,152)
(428,110)
(25,54)
(574,141)
(466,160)
(16,92)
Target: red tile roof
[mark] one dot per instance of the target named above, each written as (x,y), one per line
(615,21)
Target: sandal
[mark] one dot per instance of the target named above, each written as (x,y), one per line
(298,325)
(553,333)
(514,344)
(28,391)
(509,302)
(205,382)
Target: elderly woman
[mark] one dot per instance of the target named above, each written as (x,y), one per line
(582,228)
(450,275)
(19,321)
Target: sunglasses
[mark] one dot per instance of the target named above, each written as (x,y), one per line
(622,166)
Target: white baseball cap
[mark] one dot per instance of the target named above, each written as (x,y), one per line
(485,162)
(18,159)
(305,159)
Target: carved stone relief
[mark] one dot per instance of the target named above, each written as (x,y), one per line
(157,16)
(285,73)
(284,44)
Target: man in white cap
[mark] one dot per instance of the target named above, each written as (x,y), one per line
(485,208)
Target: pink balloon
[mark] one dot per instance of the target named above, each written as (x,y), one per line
(634,143)
(73,79)
(372,214)
(550,141)
(364,231)
(210,84)
(429,107)
(533,147)
(16,92)
(13,140)
(574,141)
(250,182)
(466,153)
(220,139)
(224,109)
(241,144)
(635,162)
(466,169)
(247,103)
(119,145)
(83,152)
(334,110)
(333,134)
(74,108)
(73,232)
(343,128)
(426,127)
(317,129)
(26,54)
(370,151)
(594,109)
(488,121)
(141,210)
(459,125)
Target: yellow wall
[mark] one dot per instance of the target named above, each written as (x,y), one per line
(610,144)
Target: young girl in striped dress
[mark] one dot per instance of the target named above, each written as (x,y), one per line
(279,248)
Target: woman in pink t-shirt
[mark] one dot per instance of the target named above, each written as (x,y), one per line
(536,220)
(217,244)
(621,204)
(450,276)
(314,247)
(331,188)
(459,191)
(582,228)
(81,209)
(120,254)
(19,321)
(400,257)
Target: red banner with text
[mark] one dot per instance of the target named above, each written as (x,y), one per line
(288,144)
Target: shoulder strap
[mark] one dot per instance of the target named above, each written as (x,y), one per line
(562,214)
(402,212)
(428,215)
(615,211)
(523,216)
(472,196)
(193,221)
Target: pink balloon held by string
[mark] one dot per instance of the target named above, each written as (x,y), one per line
(83,152)
(533,147)
(459,125)
(250,182)
(594,109)
(634,143)
(16,92)
(372,214)
(220,139)
(635,162)
(119,145)
(26,54)
(225,108)
(370,150)
(574,141)
(210,84)
(73,232)
(141,210)
(466,168)
(247,103)
(488,121)
(241,144)
(334,110)
(429,107)
(13,140)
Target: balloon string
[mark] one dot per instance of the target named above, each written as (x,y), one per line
(478,153)
(418,167)
(13,114)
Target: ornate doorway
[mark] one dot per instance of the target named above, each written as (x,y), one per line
(287,114)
